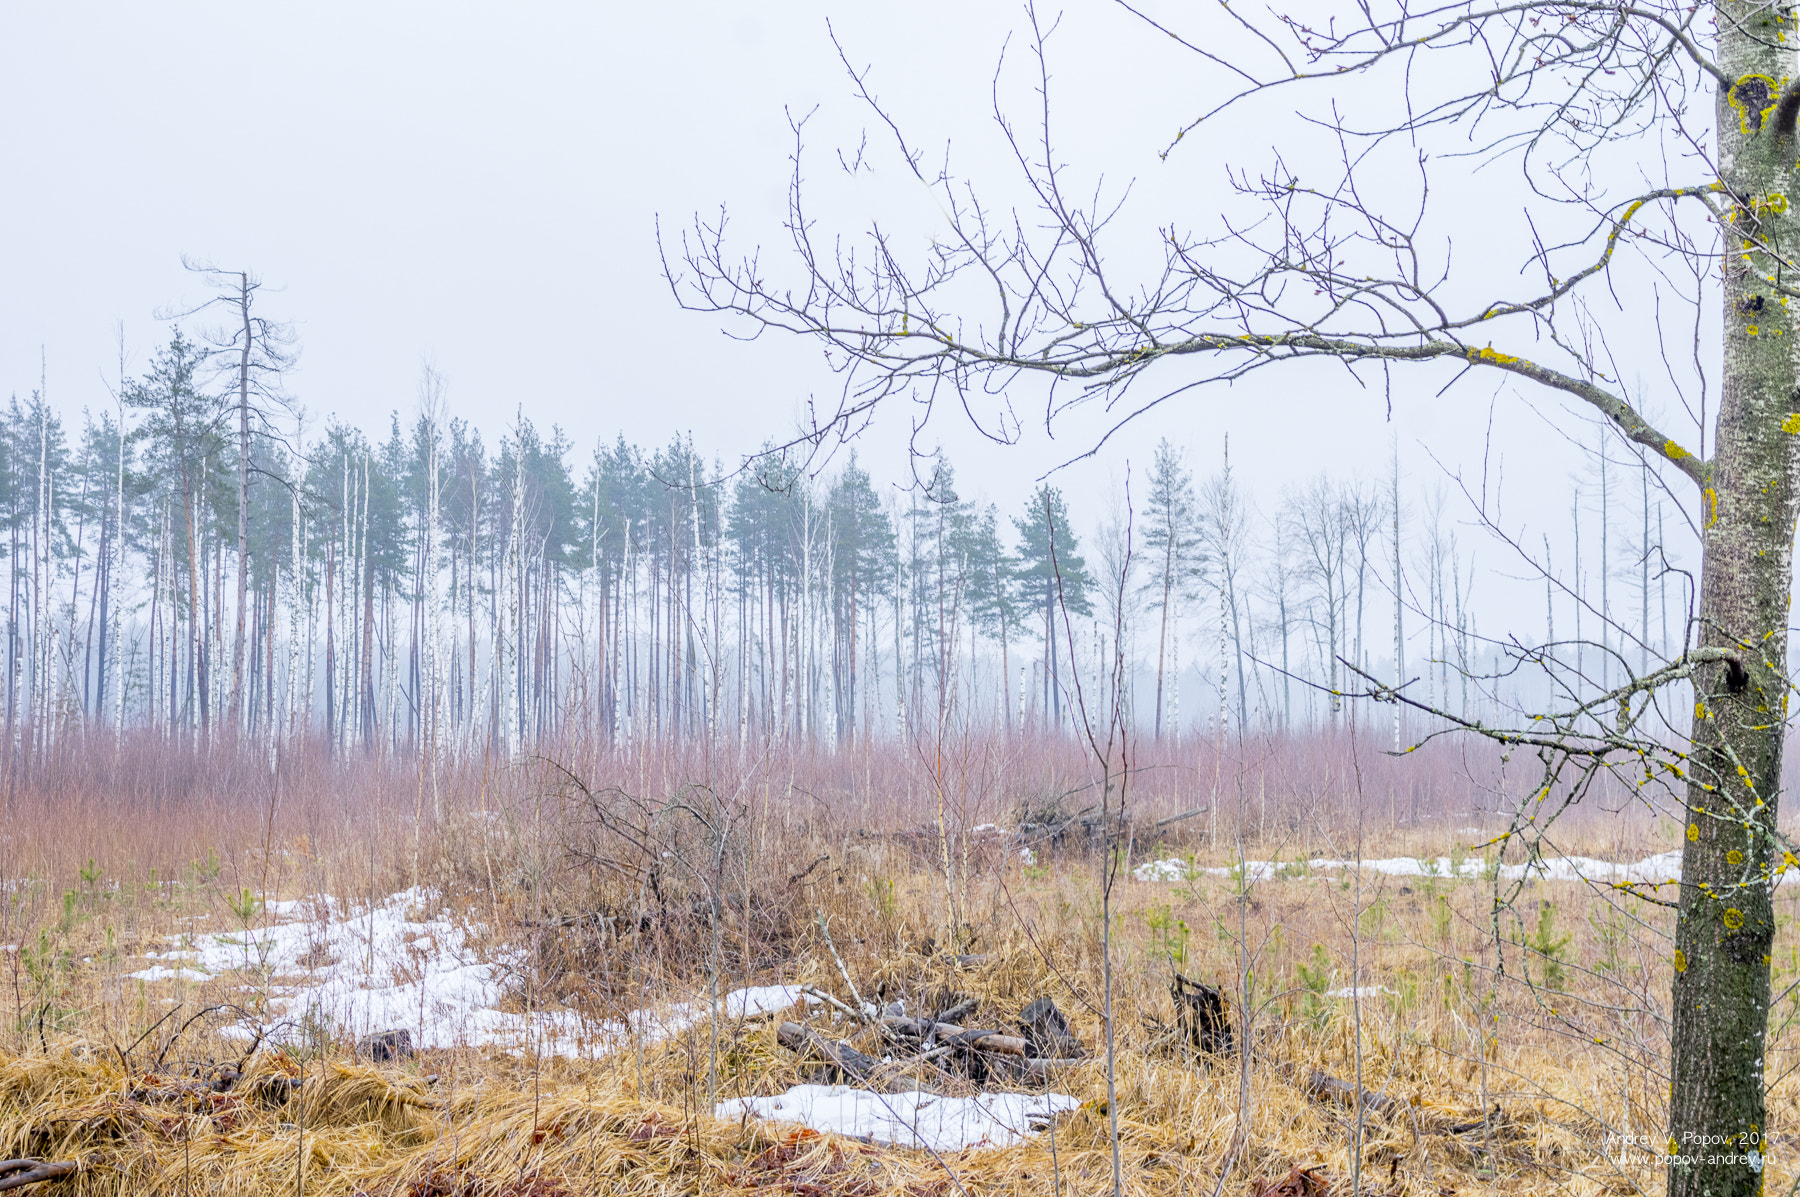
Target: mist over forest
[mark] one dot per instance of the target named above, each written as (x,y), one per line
(205,558)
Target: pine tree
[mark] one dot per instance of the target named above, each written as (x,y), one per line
(1052,576)
(182,425)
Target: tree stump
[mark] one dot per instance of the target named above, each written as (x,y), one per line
(1200,1009)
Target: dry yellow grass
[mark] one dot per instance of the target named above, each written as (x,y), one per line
(1550,1027)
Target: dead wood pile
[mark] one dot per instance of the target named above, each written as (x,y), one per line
(928,1051)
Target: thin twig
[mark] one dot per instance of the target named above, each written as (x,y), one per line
(860,1013)
(832,1001)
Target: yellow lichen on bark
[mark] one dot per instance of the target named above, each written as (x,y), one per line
(1746,84)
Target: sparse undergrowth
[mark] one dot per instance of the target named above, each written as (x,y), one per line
(1522,1047)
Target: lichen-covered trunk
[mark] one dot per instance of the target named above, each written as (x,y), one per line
(1726,920)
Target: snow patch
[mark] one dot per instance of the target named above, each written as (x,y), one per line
(159,973)
(392,965)
(1167,870)
(908,1119)
(1663,867)
(1365,991)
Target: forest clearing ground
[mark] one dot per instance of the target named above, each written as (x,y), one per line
(566,1042)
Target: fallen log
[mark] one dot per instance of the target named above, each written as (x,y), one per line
(849,1064)
(846,1060)
(919,1028)
(1173,819)
(16,1174)
(994,1041)
(958,1012)
(950,1035)
(1092,828)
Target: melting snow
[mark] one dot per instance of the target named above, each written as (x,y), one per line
(390,966)
(159,973)
(1664,866)
(908,1119)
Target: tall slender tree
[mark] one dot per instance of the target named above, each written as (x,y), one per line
(249,353)
(181,423)
(1173,550)
(1054,575)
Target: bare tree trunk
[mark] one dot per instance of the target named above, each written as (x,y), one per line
(332,718)
(235,710)
(511,620)
(196,663)
(1162,639)
(366,697)
(118,573)
(1606,661)
(1399,593)
(1720,999)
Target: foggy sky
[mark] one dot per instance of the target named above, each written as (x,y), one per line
(477,187)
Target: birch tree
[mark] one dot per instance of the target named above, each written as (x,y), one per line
(1172,552)
(1628,138)
(1224,522)
(1316,513)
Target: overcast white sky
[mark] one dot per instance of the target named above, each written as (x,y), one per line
(477,186)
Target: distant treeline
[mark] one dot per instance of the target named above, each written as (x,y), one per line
(213,574)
